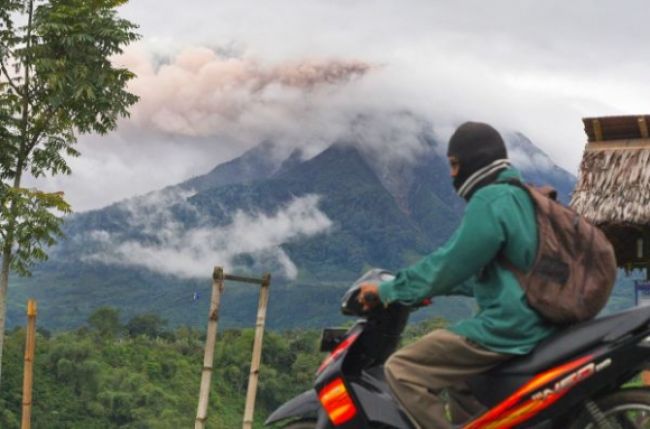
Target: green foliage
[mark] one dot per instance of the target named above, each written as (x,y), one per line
(56,81)
(96,379)
(106,321)
(34,228)
(108,378)
(76,39)
(150,325)
(100,379)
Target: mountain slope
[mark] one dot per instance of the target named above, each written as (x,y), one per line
(257,163)
(537,167)
(315,223)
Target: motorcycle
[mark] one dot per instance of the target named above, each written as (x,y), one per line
(574,379)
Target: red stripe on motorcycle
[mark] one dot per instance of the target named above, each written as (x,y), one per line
(512,411)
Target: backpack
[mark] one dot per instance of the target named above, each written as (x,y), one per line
(574,269)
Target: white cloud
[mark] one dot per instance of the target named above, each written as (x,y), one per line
(534,67)
(171,248)
(526,161)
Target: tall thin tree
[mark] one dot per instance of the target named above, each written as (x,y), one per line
(56,82)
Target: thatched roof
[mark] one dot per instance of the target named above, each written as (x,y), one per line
(614,182)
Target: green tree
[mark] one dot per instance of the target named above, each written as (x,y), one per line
(150,325)
(106,321)
(56,82)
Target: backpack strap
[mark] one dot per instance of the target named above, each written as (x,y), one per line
(547,191)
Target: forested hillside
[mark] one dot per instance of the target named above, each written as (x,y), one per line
(141,375)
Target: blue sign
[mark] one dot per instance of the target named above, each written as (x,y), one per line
(642,293)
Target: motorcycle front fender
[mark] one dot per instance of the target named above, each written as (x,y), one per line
(305,405)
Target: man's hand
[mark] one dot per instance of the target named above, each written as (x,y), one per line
(368,296)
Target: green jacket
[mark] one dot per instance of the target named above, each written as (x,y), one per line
(498,218)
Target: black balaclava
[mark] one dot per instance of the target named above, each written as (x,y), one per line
(477,147)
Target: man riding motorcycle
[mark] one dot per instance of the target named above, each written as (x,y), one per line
(498,224)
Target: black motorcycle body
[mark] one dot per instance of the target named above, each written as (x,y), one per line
(559,385)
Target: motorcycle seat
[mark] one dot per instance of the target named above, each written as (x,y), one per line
(495,385)
(576,339)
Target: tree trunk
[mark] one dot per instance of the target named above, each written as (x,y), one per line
(4,286)
(7,251)
(7,255)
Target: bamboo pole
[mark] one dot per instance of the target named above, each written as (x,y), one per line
(28,375)
(243,279)
(210,342)
(257,352)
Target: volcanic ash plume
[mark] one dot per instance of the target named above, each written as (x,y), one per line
(200,93)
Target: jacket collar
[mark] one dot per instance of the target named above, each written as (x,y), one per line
(482,177)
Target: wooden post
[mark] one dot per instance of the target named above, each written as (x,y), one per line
(598,130)
(257,353)
(210,342)
(30,345)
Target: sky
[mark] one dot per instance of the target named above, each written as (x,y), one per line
(217,78)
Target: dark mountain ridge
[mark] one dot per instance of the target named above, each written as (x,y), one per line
(384,211)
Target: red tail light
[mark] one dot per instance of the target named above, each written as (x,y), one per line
(337,402)
(336,353)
